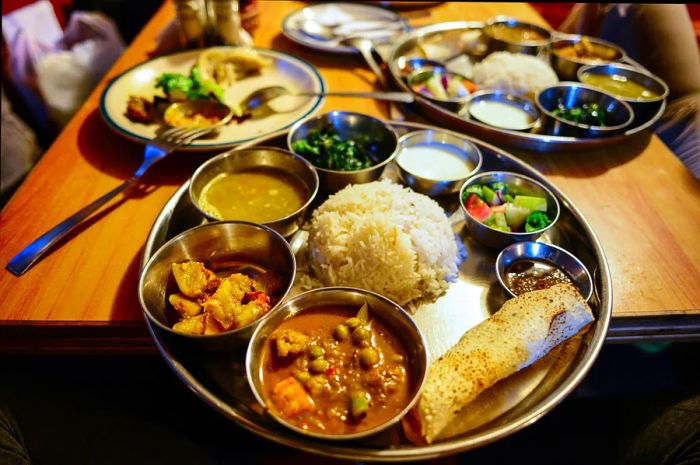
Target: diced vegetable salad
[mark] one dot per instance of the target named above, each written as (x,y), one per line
(443,86)
(493,205)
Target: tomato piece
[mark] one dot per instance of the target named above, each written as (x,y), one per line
(477,208)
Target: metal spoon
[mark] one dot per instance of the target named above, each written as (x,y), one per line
(261,97)
(316,30)
(366,47)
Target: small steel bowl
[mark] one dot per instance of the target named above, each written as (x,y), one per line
(460,146)
(419,75)
(506,98)
(222,247)
(529,47)
(253,158)
(396,318)
(566,68)
(619,114)
(518,184)
(552,254)
(643,108)
(408,65)
(378,140)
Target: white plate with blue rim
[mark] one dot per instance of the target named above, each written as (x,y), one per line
(285,70)
(350,19)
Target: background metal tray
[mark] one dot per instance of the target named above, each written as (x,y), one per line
(502,137)
(219,379)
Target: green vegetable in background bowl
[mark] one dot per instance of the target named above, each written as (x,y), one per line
(590,114)
(325,149)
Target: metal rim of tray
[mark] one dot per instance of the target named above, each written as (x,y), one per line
(156,237)
(516,139)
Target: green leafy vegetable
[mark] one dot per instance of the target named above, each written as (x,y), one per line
(180,87)
(325,149)
(536,220)
(590,114)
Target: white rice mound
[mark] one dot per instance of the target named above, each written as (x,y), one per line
(385,238)
(515,73)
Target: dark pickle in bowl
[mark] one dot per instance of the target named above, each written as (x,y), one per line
(526,275)
(335,370)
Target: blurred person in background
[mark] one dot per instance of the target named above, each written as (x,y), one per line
(661,38)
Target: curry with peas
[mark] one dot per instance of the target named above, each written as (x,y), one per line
(333,370)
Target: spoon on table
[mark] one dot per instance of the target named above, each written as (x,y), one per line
(316,30)
(261,97)
(367,50)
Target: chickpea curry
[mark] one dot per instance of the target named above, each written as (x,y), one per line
(328,370)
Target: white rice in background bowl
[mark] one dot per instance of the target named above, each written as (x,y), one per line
(515,73)
(385,238)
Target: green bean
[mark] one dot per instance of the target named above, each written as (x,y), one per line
(363,313)
(315,351)
(319,365)
(368,357)
(341,332)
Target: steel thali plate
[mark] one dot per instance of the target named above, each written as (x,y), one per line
(451,39)
(219,379)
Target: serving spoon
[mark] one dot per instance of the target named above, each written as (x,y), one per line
(261,97)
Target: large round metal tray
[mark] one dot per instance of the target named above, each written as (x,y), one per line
(219,379)
(501,137)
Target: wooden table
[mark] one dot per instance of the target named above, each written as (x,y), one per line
(641,201)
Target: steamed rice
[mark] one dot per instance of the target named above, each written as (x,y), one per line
(515,73)
(385,238)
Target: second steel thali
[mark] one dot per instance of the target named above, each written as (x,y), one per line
(445,41)
(219,378)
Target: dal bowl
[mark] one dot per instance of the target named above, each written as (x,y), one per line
(618,114)
(224,248)
(291,172)
(377,139)
(643,107)
(420,166)
(517,184)
(387,319)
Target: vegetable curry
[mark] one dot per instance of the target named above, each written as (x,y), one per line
(329,371)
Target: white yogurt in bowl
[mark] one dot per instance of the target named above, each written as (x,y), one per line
(436,162)
(503,110)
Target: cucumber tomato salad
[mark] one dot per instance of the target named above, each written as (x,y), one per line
(493,205)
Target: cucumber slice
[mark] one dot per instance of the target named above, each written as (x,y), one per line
(531,203)
(497,221)
(490,196)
